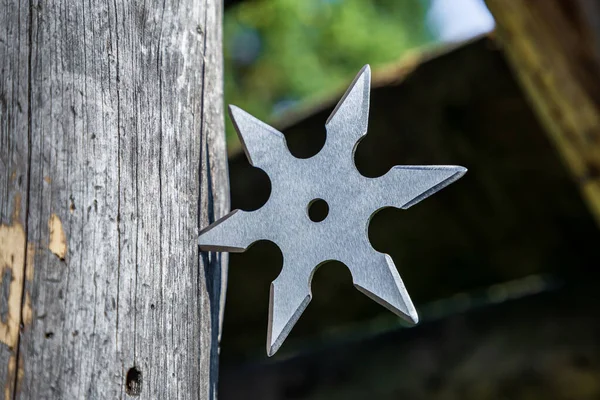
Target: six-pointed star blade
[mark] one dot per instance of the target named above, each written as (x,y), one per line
(352,198)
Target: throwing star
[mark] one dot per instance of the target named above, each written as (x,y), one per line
(352,199)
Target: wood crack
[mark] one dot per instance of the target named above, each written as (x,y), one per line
(18,360)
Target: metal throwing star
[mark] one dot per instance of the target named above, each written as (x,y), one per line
(352,199)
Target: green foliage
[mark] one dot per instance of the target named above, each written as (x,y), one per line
(279,52)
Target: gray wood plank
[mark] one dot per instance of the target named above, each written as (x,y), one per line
(14,174)
(121,136)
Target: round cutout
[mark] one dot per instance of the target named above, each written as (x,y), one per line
(318,210)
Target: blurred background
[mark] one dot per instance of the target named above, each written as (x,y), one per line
(283,53)
(502,265)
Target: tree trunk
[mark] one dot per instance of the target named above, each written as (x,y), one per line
(112,153)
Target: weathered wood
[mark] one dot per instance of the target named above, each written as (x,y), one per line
(554,48)
(516,212)
(112,154)
(14,160)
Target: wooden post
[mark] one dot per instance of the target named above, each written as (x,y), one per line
(112,153)
(554,48)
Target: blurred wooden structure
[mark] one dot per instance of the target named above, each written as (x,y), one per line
(519,108)
(554,49)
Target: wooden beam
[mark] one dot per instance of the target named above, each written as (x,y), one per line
(553,47)
(112,154)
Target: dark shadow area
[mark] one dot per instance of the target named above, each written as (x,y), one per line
(546,347)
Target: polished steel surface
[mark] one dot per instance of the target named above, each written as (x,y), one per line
(352,199)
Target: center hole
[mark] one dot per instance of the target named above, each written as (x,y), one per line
(318,210)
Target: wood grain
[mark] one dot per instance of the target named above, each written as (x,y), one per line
(553,47)
(112,155)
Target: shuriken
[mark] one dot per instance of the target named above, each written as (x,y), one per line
(343,235)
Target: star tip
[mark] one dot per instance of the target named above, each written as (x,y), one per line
(460,171)
(408,312)
(361,80)
(233,109)
(271,350)
(413,317)
(239,117)
(364,74)
(273,345)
